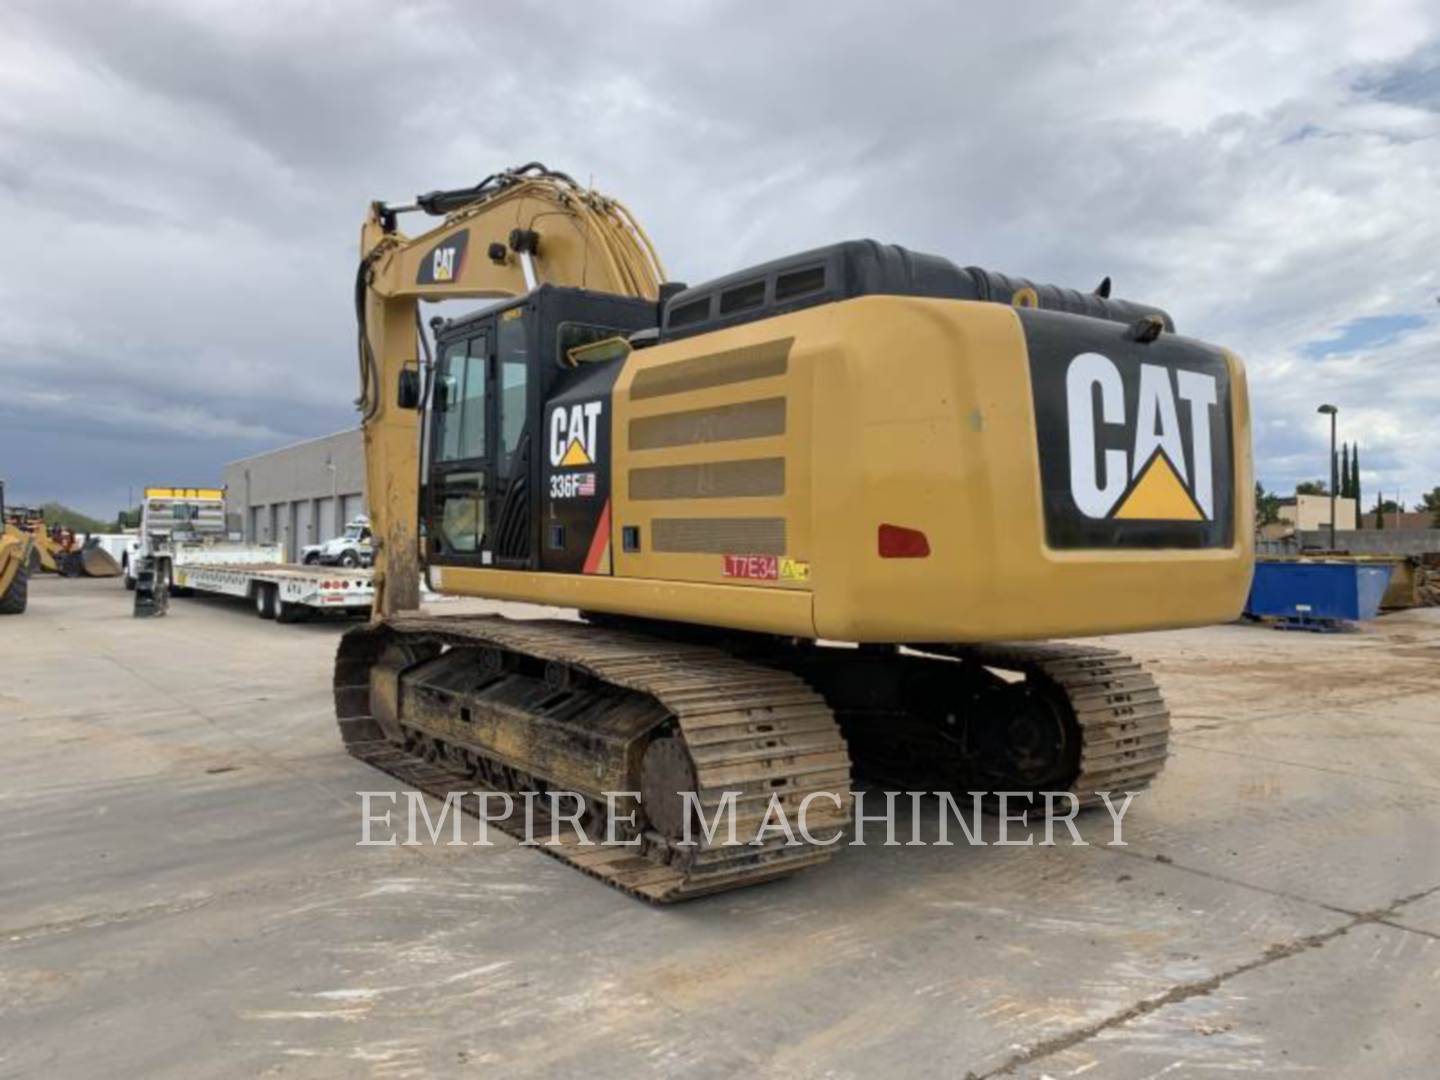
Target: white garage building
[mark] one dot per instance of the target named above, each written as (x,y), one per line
(297,495)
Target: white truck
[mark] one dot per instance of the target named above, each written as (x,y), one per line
(169,517)
(182,548)
(352,548)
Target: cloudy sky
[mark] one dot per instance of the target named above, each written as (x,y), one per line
(181,186)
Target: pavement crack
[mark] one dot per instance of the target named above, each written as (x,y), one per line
(1227,879)
(1199,987)
(179,905)
(1409,929)
(1302,764)
(100,919)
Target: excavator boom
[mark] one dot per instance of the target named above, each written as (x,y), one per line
(509,234)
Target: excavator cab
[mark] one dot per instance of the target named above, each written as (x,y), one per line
(507,406)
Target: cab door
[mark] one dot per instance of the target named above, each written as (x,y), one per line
(479,490)
(460,478)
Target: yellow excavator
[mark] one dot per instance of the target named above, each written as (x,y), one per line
(16,550)
(815,515)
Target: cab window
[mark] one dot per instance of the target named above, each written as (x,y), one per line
(460,401)
(462,513)
(514,372)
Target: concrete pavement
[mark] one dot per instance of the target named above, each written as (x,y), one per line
(181,894)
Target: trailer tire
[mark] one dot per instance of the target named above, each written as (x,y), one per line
(288,613)
(265,600)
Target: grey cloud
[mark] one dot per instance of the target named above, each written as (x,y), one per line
(182,187)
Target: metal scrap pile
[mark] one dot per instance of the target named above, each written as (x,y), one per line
(1415,582)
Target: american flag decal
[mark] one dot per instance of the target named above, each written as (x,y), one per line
(586,484)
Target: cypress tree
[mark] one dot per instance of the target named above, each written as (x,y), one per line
(1344,491)
(1355,480)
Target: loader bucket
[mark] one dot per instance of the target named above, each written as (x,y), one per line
(95,561)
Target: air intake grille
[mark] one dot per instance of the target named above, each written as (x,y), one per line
(720,536)
(748,420)
(710,480)
(716,369)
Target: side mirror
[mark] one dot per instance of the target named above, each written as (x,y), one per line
(408,393)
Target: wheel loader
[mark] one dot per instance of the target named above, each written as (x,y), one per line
(817,515)
(45,551)
(16,550)
(56,552)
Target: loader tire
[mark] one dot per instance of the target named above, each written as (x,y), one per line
(18,595)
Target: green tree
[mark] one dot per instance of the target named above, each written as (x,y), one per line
(1267,506)
(1385,506)
(1345,491)
(60,514)
(1430,502)
(1311,487)
(1355,478)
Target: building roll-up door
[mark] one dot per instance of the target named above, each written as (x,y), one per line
(324,520)
(354,505)
(304,528)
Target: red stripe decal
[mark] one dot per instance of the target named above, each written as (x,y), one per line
(599,542)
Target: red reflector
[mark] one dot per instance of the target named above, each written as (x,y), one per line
(898,542)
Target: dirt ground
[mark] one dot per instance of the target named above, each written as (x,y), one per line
(181,894)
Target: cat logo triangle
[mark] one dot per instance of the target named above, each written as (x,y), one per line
(1158,495)
(575,455)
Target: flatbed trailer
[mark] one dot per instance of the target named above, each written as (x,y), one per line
(277,590)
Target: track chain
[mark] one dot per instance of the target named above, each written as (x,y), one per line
(749,729)
(1123,720)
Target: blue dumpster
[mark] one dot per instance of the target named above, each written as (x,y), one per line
(1328,591)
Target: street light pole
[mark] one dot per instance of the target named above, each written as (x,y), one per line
(1332,410)
(336,518)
